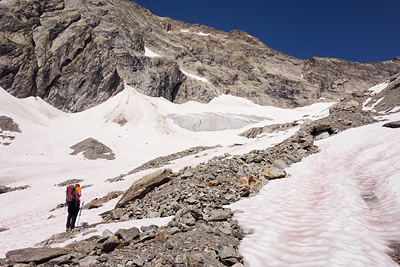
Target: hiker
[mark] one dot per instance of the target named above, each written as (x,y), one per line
(73,202)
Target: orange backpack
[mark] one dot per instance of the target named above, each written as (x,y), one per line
(78,190)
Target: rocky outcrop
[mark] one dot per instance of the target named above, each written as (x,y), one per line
(93,149)
(5,189)
(144,185)
(254,132)
(8,128)
(392,124)
(8,124)
(98,202)
(388,99)
(76,54)
(62,51)
(36,255)
(336,77)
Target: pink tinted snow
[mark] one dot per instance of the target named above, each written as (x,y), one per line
(340,207)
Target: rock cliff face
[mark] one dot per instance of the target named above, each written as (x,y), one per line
(76,54)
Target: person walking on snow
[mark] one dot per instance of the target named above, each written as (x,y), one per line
(73,202)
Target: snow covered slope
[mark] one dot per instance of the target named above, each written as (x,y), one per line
(340,207)
(135,127)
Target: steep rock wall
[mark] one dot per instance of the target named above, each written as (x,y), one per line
(76,54)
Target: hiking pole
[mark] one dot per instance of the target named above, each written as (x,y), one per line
(80,211)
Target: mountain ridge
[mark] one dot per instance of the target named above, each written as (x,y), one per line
(76,54)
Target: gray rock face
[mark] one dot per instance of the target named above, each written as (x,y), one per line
(62,51)
(77,54)
(336,77)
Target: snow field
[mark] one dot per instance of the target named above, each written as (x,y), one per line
(340,207)
(39,156)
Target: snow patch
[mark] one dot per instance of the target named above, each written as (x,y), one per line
(203,34)
(195,77)
(377,88)
(370,108)
(395,109)
(366,103)
(149,53)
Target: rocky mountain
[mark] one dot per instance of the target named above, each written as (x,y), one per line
(76,54)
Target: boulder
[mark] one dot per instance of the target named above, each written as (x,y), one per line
(393,124)
(243,181)
(351,105)
(138,262)
(4,189)
(280,164)
(128,234)
(228,252)
(322,135)
(187,174)
(144,185)
(112,195)
(188,219)
(37,255)
(319,128)
(95,203)
(219,215)
(88,261)
(306,142)
(273,172)
(252,180)
(117,214)
(110,244)
(107,233)
(212,183)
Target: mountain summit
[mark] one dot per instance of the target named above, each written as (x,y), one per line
(76,54)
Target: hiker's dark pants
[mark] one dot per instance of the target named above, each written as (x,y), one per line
(72,214)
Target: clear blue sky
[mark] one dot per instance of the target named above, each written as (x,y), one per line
(355,30)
